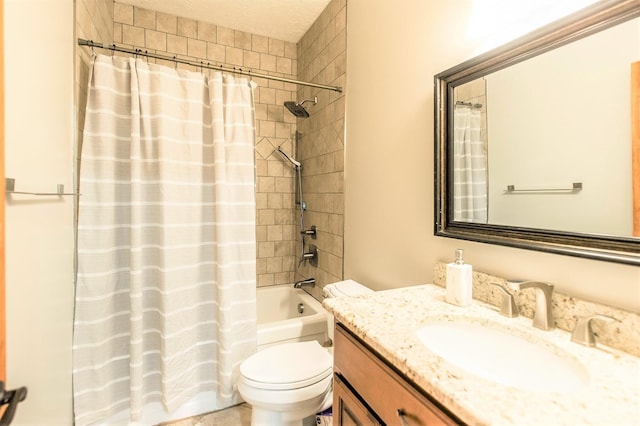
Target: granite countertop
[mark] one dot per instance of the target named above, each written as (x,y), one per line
(388,320)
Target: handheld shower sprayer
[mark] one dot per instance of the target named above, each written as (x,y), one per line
(289,158)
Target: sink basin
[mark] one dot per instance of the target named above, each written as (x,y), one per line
(497,355)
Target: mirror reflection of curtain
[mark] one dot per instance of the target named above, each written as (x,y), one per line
(469,168)
(635,141)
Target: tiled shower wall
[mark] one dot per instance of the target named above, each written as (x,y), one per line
(277,217)
(94,21)
(322,59)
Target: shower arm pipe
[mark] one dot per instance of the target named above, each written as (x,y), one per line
(204,65)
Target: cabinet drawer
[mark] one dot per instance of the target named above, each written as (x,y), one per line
(385,391)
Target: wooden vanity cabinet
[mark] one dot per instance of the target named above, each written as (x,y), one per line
(367,391)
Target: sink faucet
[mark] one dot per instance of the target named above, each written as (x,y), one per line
(542,317)
(309,282)
(583,334)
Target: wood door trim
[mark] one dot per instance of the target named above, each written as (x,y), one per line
(3,340)
(635,144)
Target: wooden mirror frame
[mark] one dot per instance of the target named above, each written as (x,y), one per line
(590,20)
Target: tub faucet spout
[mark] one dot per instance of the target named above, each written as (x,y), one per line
(309,282)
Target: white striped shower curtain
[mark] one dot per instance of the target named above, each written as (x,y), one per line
(165,295)
(469,168)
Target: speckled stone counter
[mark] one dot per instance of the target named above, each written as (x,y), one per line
(388,322)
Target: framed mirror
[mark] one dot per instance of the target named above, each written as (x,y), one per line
(534,141)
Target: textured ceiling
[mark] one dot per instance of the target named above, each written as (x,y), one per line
(281,19)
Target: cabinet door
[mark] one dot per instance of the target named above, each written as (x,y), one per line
(348,410)
(393,399)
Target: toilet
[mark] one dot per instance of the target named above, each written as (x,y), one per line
(287,383)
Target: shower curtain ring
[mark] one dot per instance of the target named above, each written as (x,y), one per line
(113,50)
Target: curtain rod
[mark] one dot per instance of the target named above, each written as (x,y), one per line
(207,65)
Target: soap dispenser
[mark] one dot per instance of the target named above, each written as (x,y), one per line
(459,281)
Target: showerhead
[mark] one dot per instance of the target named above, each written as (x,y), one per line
(297,109)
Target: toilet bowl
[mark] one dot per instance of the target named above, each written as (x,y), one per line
(288,382)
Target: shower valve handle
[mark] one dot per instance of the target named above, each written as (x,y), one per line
(311,231)
(311,256)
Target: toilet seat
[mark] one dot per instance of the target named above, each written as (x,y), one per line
(287,366)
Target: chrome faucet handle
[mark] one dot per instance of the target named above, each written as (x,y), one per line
(583,333)
(542,317)
(508,306)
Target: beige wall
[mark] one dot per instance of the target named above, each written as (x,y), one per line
(39,230)
(393,51)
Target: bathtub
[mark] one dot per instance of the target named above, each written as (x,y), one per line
(287,314)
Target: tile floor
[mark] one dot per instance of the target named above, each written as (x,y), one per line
(240,415)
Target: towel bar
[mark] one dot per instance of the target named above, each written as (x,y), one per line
(575,187)
(10,184)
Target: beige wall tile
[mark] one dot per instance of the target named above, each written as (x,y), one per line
(283,65)
(216,53)
(290,50)
(156,40)
(225,36)
(242,40)
(259,43)
(251,60)
(207,32)
(266,249)
(268,62)
(144,18)
(267,128)
(166,23)
(133,35)
(176,44)
(274,265)
(234,56)
(123,13)
(266,217)
(276,47)
(196,48)
(275,113)
(117,33)
(274,233)
(187,27)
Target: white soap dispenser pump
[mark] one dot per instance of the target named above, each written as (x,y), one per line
(459,281)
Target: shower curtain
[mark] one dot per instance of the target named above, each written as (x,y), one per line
(469,168)
(165,297)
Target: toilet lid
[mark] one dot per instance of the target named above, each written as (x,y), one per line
(287,366)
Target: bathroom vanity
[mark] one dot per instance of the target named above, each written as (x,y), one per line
(384,371)
(367,390)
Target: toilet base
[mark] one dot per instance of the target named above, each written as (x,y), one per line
(261,417)
(269,417)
